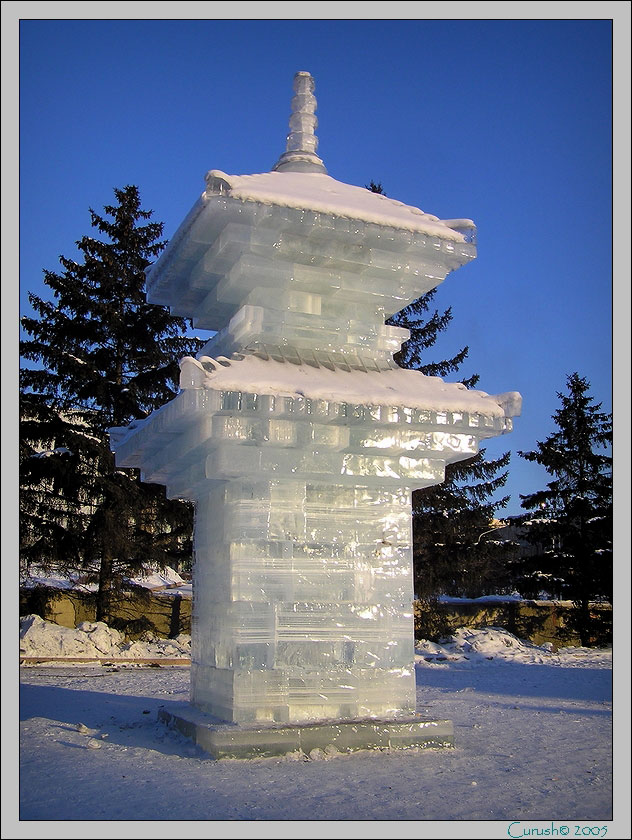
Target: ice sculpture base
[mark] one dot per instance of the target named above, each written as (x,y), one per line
(229,740)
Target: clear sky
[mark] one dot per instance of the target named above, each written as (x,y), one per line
(506,122)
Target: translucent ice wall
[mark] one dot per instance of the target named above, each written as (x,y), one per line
(303,577)
(281,275)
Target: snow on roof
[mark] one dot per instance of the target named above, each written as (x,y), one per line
(323,194)
(396,387)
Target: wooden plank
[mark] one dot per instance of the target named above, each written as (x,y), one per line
(42,660)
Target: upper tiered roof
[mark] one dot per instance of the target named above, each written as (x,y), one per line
(294,256)
(320,193)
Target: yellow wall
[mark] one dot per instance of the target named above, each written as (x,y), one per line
(168,614)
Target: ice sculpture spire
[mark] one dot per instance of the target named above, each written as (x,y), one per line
(300,151)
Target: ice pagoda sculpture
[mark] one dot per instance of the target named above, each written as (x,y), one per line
(300,440)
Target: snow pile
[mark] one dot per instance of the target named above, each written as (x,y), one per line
(90,639)
(39,577)
(154,579)
(94,640)
(166,577)
(180,647)
(493,644)
(482,599)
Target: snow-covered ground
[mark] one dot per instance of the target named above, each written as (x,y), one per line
(532,730)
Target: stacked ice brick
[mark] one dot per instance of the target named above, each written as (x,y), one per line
(299,439)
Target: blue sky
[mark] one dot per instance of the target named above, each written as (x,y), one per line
(506,122)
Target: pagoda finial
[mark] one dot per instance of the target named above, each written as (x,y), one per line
(300,151)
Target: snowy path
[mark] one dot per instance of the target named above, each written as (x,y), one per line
(533,742)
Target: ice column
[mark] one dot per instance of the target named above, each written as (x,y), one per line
(299,439)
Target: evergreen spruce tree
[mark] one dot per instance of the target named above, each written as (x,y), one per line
(455,552)
(425,327)
(572,525)
(102,357)
(449,519)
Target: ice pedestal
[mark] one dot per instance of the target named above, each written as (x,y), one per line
(223,740)
(300,442)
